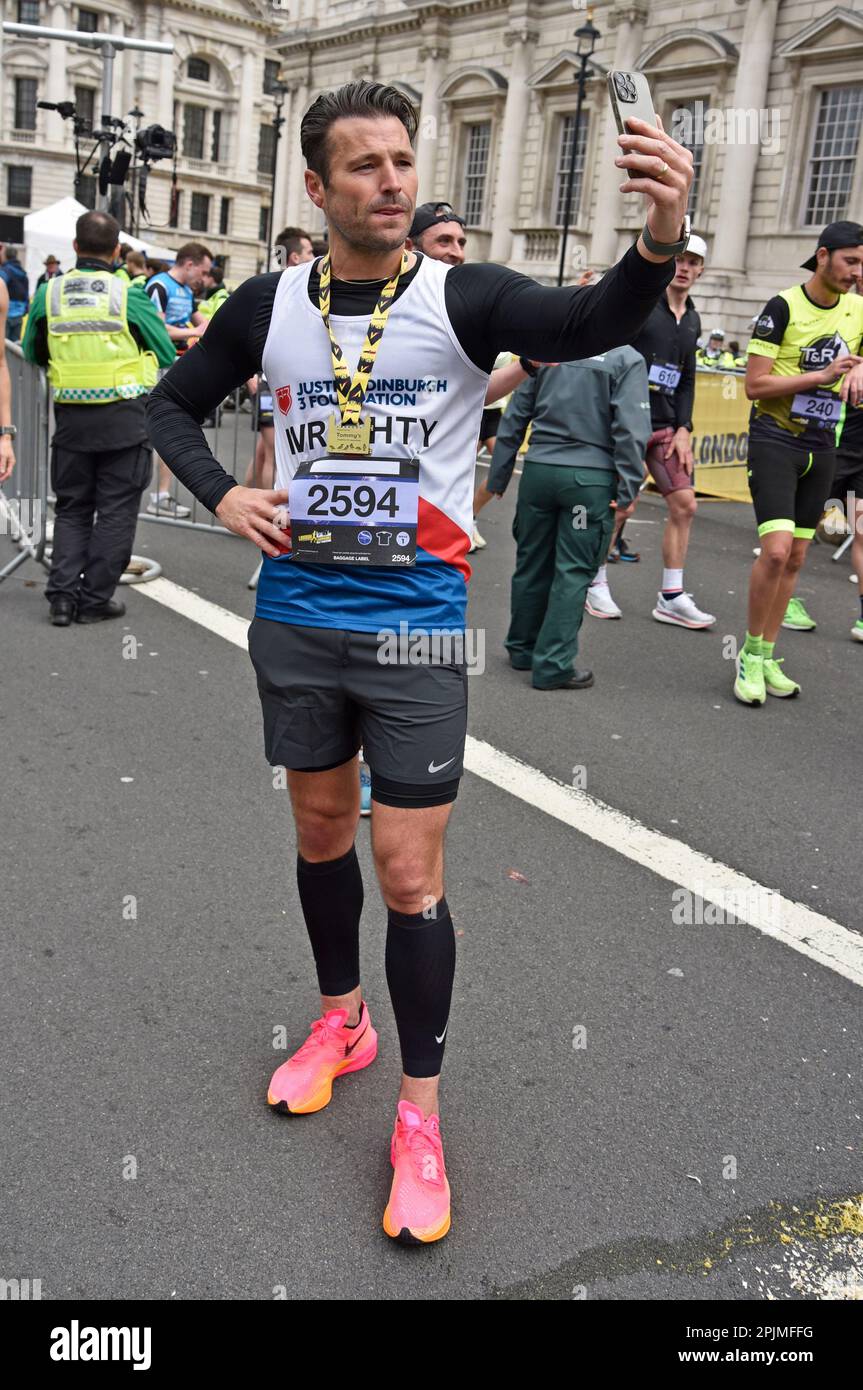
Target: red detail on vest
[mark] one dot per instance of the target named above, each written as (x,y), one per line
(284,399)
(440,536)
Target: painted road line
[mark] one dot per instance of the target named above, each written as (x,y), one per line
(743,899)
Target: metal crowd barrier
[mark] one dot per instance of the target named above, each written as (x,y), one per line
(232,437)
(24,496)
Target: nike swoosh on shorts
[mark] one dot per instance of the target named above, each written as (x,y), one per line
(440,766)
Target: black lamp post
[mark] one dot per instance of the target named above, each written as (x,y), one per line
(279,91)
(587,37)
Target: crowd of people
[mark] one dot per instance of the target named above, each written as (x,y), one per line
(366,509)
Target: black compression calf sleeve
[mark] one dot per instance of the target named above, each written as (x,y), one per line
(420,962)
(331,895)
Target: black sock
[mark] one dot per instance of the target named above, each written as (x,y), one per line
(420,963)
(331,895)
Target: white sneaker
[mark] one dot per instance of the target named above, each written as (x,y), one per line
(681,611)
(477,542)
(164,505)
(600,604)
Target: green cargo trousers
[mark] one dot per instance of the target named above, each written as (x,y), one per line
(562,527)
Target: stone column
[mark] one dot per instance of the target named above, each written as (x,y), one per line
(738,174)
(629,21)
(297,204)
(434,55)
(166,88)
(59,87)
(508,185)
(248,131)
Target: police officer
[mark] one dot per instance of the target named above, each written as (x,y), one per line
(102,342)
(217,292)
(715,355)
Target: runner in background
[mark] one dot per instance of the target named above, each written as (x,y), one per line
(806,339)
(848,483)
(667,342)
(173,294)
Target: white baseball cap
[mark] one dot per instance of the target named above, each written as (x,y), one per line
(697,246)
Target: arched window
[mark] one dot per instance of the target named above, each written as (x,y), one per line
(198,69)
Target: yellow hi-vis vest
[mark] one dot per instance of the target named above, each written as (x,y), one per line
(93,357)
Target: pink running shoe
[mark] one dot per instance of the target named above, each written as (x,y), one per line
(418,1209)
(304,1083)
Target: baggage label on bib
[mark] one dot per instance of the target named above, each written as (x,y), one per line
(818,407)
(664,377)
(355,512)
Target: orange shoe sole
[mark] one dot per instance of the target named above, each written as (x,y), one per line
(321,1098)
(422,1237)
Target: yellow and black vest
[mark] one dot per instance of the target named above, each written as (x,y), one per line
(813,338)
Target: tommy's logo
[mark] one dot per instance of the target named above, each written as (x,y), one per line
(284,399)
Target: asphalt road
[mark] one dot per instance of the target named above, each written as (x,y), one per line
(705,1142)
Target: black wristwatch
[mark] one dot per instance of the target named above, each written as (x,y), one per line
(527,366)
(8,429)
(666,248)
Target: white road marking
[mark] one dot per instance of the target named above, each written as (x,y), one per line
(795,925)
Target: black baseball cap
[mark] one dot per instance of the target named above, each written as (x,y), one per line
(836,237)
(430,214)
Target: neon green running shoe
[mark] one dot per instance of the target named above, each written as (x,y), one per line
(775,680)
(857,631)
(797,618)
(749,686)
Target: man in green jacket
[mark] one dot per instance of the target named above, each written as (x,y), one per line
(102,342)
(590,423)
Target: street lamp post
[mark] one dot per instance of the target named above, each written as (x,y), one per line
(279,91)
(587,37)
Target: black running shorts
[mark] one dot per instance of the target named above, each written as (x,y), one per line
(789,486)
(326,692)
(849,475)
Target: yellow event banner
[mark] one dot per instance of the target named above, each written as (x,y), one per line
(720,437)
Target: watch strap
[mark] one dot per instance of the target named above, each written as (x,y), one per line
(666,248)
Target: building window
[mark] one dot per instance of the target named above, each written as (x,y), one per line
(834,149)
(86,190)
(28,12)
(25,103)
(267,152)
(687,127)
(85,105)
(200,218)
(193,131)
(224,216)
(264,225)
(216,142)
(198,69)
(271,74)
(19,185)
(175,207)
(88,22)
(564,159)
(475,170)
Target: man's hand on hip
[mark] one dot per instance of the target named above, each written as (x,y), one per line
(681,441)
(251,512)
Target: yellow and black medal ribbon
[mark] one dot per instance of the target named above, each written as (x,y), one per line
(351,393)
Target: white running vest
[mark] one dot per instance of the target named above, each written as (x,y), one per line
(425,397)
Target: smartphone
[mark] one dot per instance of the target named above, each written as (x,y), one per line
(630,96)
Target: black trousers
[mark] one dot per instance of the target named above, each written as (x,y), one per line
(98,496)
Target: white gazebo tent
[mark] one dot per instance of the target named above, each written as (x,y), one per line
(51,231)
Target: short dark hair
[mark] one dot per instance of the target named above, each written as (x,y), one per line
(216,274)
(351,100)
(193,251)
(291,240)
(97,233)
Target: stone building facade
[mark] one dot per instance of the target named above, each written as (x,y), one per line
(211,91)
(768,92)
(773,90)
